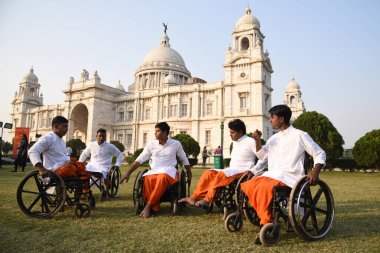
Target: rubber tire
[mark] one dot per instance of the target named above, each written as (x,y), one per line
(229,223)
(265,237)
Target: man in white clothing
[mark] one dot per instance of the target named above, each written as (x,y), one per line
(285,152)
(101,153)
(162,152)
(243,159)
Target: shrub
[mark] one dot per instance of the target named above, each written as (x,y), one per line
(366,150)
(190,146)
(76,145)
(119,145)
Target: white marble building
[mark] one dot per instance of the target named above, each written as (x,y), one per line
(163,90)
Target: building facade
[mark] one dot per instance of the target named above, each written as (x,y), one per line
(163,90)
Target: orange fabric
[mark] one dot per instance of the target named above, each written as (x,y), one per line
(209,182)
(77,168)
(260,194)
(155,186)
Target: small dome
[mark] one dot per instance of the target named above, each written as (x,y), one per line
(247,21)
(30,77)
(119,86)
(293,85)
(170,79)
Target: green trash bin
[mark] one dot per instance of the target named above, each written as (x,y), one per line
(218,162)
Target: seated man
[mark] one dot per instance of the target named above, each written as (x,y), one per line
(242,160)
(52,148)
(285,152)
(101,153)
(163,173)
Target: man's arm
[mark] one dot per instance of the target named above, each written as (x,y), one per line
(319,157)
(119,155)
(257,136)
(85,154)
(35,153)
(125,178)
(260,166)
(182,156)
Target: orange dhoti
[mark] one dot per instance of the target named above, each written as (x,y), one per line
(209,182)
(74,169)
(155,187)
(260,194)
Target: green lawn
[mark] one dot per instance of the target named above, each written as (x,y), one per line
(113,226)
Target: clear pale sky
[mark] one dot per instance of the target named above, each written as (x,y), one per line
(332,48)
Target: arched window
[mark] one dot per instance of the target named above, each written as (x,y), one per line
(244,43)
(292,99)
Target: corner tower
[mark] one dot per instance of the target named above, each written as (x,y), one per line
(27,97)
(248,74)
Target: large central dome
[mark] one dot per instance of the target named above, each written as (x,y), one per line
(164,53)
(164,57)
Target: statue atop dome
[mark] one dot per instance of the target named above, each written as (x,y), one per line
(165,27)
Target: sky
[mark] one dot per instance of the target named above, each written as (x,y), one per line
(331,48)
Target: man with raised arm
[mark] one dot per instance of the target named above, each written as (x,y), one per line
(285,152)
(243,159)
(162,152)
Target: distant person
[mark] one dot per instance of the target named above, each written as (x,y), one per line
(22,154)
(218,151)
(204,156)
(101,153)
(68,151)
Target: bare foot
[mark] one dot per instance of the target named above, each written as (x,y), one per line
(146,212)
(188,200)
(202,204)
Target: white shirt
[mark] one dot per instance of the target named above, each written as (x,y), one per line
(243,157)
(101,156)
(52,148)
(285,152)
(163,158)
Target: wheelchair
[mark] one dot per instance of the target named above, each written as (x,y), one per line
(43,197)
(224,199)
(98,181)
(307,210)
(174,193)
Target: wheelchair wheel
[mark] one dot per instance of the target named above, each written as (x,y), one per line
(138,199)
(41,197)
(250,213)
(270,234)
(114,175)
(82,210)
(91,202)
(311,209)
(233,222)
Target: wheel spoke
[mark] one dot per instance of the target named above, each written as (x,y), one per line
(31,192)
(34,202)
(317,196)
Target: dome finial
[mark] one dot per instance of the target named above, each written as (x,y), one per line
(247,10)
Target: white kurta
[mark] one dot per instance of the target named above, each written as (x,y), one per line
(285,152)
(243,157)
(101,157)
(163,158)
(52,148)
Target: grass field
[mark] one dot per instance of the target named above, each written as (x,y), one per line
(113,226)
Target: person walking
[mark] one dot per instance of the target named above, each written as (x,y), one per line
(22,154)
(204,156)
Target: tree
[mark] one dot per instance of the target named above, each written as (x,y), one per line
(366,151)
(6,147)
(76,145)
(190,146)
(323,132)
(119,145)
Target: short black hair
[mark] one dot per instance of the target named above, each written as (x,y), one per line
(101,130)
(281,111)
(163,126)
(237,125)
(58,120)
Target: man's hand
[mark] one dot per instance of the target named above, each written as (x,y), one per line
(125,178)
(249,174)
(43,172)
(189,176)
(68,163)
(313,178)
(257,135)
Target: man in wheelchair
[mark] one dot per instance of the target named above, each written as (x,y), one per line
(242,160)
(162,152)
(52,148)
(285,152)
(101,153)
